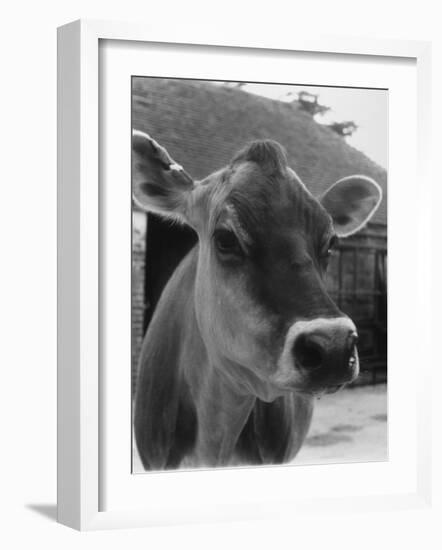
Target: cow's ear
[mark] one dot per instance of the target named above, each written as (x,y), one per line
(351,202)
(159,184)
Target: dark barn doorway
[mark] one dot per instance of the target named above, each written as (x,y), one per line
(166,245)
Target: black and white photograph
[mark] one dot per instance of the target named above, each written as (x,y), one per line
(259,274)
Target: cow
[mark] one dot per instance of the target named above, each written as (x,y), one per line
(244,335)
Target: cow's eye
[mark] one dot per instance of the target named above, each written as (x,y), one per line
(226,242)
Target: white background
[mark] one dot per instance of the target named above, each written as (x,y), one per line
(28,277)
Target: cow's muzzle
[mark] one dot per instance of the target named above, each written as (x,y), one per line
(321,353)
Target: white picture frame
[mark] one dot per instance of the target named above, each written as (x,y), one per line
(80,391)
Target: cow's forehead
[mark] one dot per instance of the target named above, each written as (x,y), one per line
(265,203)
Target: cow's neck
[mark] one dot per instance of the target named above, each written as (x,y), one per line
(223,403)
(222,413)
(222,408)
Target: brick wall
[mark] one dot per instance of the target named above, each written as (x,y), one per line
(139,220)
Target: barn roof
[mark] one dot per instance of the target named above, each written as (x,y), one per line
(203,126)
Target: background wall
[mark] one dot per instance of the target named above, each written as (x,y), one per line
(28,276)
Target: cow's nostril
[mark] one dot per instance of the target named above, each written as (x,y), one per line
(307,353)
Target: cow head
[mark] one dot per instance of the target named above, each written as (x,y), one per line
(264,244)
